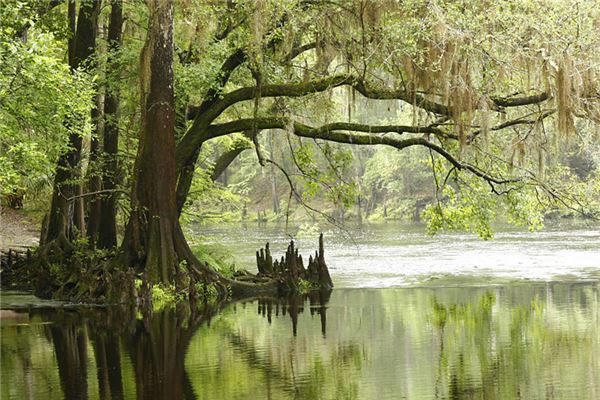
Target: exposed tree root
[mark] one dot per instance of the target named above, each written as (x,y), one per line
(65,271)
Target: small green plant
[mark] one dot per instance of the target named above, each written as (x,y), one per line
(165,296)
(305,286)
(55,269)
(217,257)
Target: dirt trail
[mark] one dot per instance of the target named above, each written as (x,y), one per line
(17,230)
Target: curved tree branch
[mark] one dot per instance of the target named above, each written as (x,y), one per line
(217,130)
(203,119)
(513,122)
(520,101)
(296,51)
(194,135)
(227,158)
(355,134)
(232,62)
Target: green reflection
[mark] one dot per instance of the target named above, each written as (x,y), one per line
(510,342)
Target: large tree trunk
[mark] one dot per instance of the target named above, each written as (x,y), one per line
(107,234)
(154,241)
(150,235)
(66,215)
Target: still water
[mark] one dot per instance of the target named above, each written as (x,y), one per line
(452,334)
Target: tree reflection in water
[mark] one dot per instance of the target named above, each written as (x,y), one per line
(293,304)
(158,345)
(70,345)
(528,341)
(155,343)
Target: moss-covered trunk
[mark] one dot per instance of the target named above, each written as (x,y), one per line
(149,240)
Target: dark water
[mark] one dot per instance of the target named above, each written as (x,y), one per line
(411,317)
(507,342)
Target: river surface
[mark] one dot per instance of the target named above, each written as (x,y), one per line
(411,317)
(391,255)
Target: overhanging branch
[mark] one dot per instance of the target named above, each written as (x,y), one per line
(514,122)
(232,62)
(520,101)
(241,125)
(355,134)
(209,112)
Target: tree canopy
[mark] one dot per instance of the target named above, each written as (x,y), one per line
(466,109)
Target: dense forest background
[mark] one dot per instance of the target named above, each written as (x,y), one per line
(119,117)
(40,91)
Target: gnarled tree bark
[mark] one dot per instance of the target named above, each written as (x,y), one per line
(150,236)
(154,241)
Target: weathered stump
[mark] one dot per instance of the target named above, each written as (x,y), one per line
(290,272)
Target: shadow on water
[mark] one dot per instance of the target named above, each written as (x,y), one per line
(519,341)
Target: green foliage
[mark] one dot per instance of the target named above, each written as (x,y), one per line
(207,292)
(84,253)
(450,53)
(524,209)
(395,181)
(213,200)
(217,256)
(470,210)
(38,96)
(305,287)
(165,296)
(322,169)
